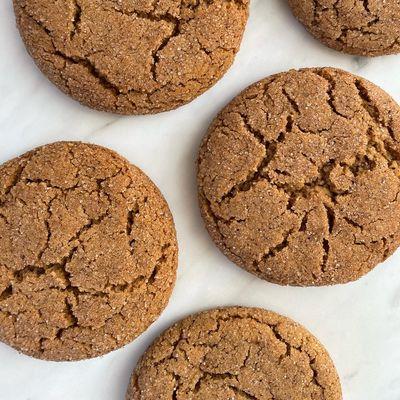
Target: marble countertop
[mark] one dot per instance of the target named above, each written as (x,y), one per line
(359,323)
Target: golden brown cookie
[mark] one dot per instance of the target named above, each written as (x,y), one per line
(132,57)
(299,177)
(361,27)
(235,353)
(88,252)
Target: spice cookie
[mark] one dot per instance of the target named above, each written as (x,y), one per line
(88,252)
(366,28)
(133,57)
(299,177)
(235,353)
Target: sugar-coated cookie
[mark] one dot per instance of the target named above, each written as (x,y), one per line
(133,57)
(299,177)
(235,353)
(88,252)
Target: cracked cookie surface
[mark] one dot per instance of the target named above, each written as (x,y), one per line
(88,252)
(235,353)
(299,178)
(361,27)
(130,56)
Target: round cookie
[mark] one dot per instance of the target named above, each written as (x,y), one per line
(299,178)
(88,252)
(235,353)
(366,28)
(133,57)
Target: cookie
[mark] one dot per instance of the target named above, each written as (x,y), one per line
(366,28)
(235,353)
(133,57)
(88,252)
(299,178)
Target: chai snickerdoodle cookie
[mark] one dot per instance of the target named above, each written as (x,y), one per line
(88,252)
(235,353)
(133,57)
(299,177)
(366,28)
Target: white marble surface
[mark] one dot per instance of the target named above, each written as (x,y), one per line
(359,323)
